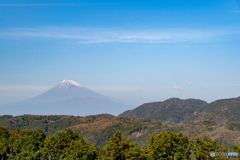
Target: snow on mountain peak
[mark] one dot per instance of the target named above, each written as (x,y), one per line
(67,83)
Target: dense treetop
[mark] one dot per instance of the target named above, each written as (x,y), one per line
(100,128)
(29,144)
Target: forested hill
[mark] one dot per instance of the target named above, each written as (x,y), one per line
(99,129)
(173,110)
(178,110)
(223,110)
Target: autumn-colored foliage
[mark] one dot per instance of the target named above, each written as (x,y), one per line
(35,145)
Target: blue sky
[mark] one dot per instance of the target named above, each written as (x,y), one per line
(136,51)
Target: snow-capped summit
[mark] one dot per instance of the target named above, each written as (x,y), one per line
(67,84)
(69,89)
(69,98)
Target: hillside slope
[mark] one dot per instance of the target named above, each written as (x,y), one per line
(99,129)
(223,110)
(173,110)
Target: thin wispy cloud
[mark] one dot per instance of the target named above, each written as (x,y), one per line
(96,35)
(236,11)
(206,87)
(15,95)
(177,88)
(115,88)
(189,82)
(34,4)
(122,88)
(236,85)
(23,87)
(23,5)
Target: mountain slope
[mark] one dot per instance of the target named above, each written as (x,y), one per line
(223,110)
(100,129)
(67,89)
(173,109)
(67,98)
(177,110)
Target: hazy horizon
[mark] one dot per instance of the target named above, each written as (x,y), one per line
(98,90)
(135,51)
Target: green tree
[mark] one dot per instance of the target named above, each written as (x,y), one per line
(116,148)
(168,146)
(68,145)
(20,144)
(236,148)
(26,144)
(144,153)
(49,150)
(133,153)
(4,149)
(201,148)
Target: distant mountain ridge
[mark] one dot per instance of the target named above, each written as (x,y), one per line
(223,110)
(71,98)
(66,98)
(173,110)
(177,110)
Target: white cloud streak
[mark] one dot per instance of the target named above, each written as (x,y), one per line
(23,5)
(34,4)
(91,35)
(14,95)
(122,88)
(23,88)
(236,11)
(206,87)
(189,82)
(177,88)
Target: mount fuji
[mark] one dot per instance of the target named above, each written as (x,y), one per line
(66,98)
